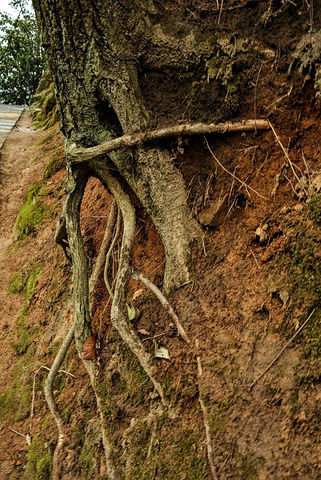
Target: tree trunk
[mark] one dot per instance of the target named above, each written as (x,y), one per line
(94,51)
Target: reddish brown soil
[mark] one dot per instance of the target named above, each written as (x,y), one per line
(240,321)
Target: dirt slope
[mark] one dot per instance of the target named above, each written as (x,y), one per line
(241,307)
(256,281)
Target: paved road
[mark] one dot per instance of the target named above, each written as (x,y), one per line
(9,115)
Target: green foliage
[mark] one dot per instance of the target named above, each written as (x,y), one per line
(21,57)
(32,211)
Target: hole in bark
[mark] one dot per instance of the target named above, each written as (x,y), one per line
(108,118)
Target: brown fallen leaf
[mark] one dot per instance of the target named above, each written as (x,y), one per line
(142,331)
(88,351)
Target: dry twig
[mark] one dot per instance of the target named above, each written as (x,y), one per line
(280,353)
(288,158)
(27,436)
(245,185)
(152,287)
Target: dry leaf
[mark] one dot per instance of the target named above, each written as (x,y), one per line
(142,331)
(88,351)
(138,293)
(131,311)
(162,352)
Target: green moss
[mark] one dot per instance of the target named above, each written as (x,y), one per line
(32,211)
(54,165)
(39,464)
(315,209)
(217,420)
(16,283)
(35,270)
(248,470)
(232,96)
(51,134)
(299,264)
(67,414)
(175,454)
(24,283)
(87,463)
(16,400)
(44,107)
(25,335)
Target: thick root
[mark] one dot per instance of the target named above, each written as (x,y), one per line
(119,313)
(102,252)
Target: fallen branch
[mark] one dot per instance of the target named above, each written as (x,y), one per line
(280,353)
(76,154)
(152,287)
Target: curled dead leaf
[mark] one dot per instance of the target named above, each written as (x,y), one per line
(142,331)
(88,351)
(162,352)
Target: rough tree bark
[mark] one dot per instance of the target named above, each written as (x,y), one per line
(96,51)
(101,54)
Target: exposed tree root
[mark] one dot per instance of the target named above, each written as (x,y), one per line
(102,252)
(81,329)
(150,285)
(83,295)
(51,401)
(77,154)
(110,250)
(61,237)
(92,372)
(119,313)
(210,454)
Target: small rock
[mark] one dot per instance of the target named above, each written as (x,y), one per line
(261,233)
(215,213)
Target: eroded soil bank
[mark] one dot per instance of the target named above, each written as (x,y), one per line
(256,280)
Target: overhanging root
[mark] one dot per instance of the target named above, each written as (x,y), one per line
(51,401)
(77,154)
(119,312)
